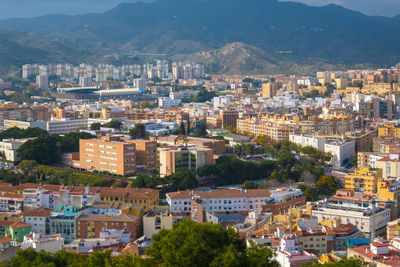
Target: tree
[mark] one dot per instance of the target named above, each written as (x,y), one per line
(95,126)
(345,262)
(201,130)
(27,166)
(138,132)
(354,162)
(249,185)
(327,185)
(192,244)
(113,124)
(182,129)
(260,256)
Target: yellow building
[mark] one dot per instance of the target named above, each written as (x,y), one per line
(144,197)
(341,83)
(363,180)
(393,229)
(268,90)
(389,129)
(390,165)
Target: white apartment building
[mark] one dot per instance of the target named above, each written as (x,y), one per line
(9,147)
(42,81)
(38,218)
(166,102)
(291,253)
(342,151)
(157,219)
(219,200)
(66,125)
(38,197)
(370,220)
(308,140)
(48,243)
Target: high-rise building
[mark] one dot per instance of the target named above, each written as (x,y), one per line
(269,90)
(42,81)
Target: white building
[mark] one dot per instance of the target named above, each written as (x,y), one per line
(219,200)
(371,220)
(85,81)
(38,197)
(107,238)
(166,102)
(42,81)
(221,100)
(9,147)
(342,151)
(308,140)
(48,243)
(291,253)
(66,125)
(155,220)
(25,124)
(38,218)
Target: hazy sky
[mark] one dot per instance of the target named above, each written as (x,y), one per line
(370,7)
(29,8)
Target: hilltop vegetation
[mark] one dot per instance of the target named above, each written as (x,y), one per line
(270,36)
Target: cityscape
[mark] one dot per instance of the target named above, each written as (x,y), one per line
(176,138)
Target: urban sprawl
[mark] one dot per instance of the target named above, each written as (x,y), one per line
(306,166)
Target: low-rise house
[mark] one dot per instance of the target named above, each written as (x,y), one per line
(15,230)
(291,253)
(48,243)
(39,219)
(157,219)
(380,254)
(10,202)
(107,238)
(90,226)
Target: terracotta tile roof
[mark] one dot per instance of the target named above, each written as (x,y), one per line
(5,240)
(14,224)
(39,212)
(220,193)
(392,258)
(11,195)
(107,218)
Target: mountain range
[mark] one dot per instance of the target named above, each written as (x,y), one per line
(229,36)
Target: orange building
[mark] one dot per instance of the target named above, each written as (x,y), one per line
(146,154)
(109,154)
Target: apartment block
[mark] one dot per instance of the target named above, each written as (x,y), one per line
(184,158)
(146,154)
(109,154)
(363,180)
(9,147)
(390,166)
(90,226)
(66,125)
(389,129)
(63,221)
(369,218)
(39,220)
(227,201)
(174,140)
(268,90)
(24,113)
(229,117)
(157,219)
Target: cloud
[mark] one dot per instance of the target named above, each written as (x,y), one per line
(369,7)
